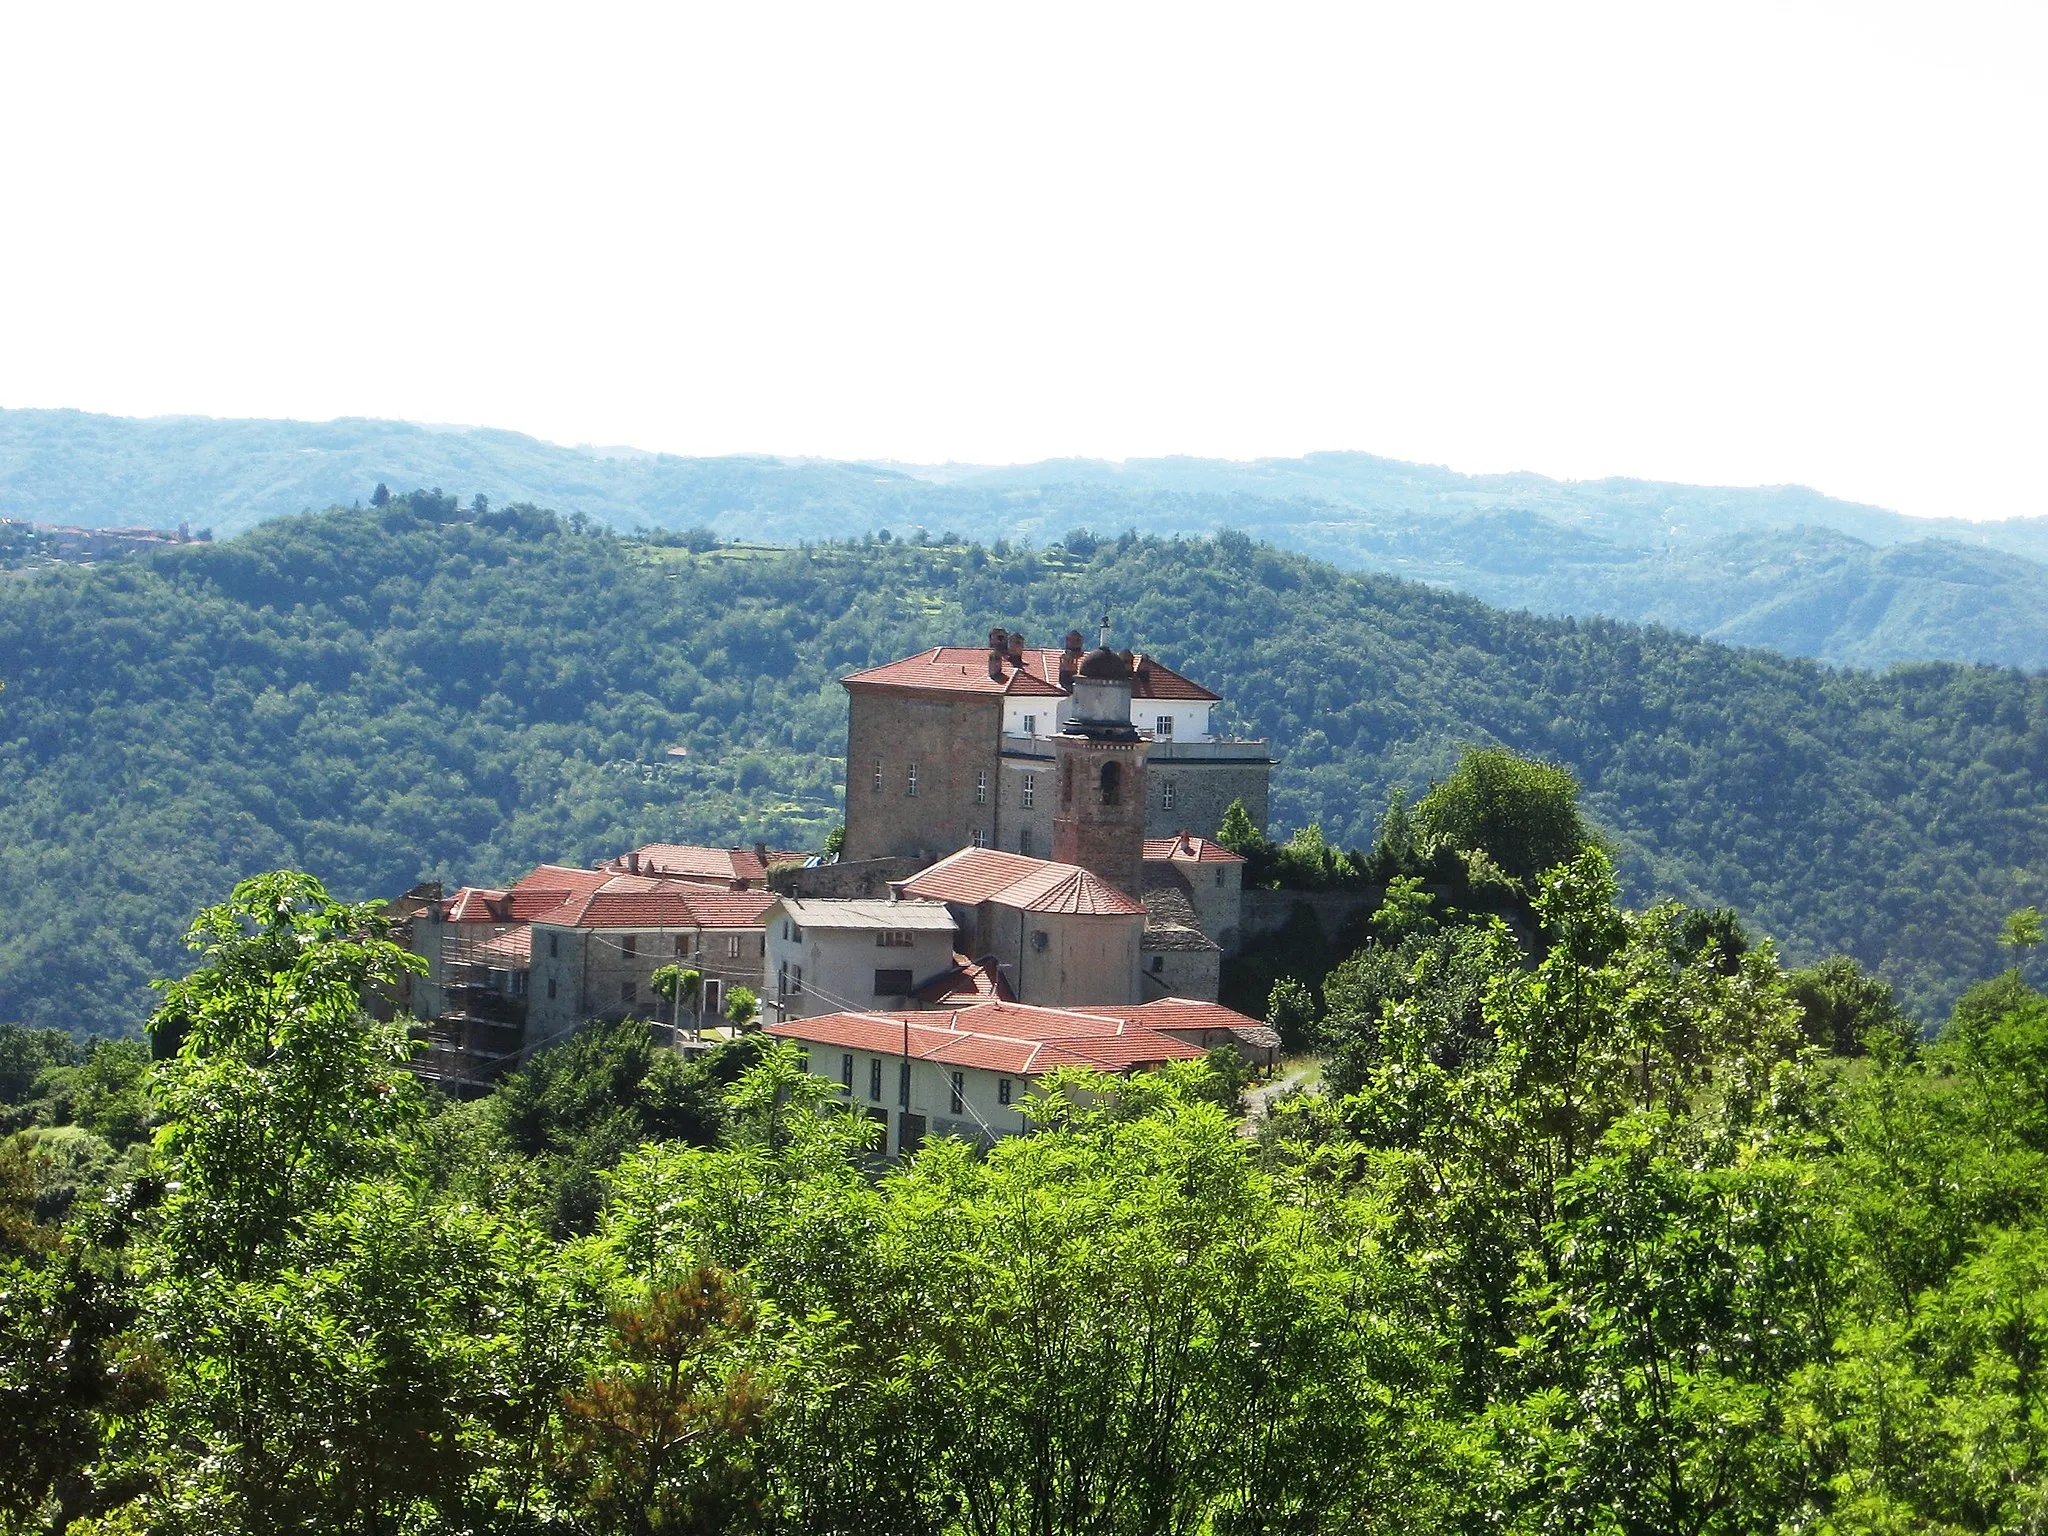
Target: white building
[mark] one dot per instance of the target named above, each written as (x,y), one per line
(824,956)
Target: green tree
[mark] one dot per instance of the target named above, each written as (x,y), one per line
(1522,813)
(742,1008)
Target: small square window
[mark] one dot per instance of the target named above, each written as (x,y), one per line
(682,943)
(1163,726)
(630,944)
(1002,1090)
(893,983)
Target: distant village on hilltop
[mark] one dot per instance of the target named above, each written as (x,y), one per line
(1028,879)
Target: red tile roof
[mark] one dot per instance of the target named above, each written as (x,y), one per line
(975,875)
(475,904)
(635,901)
(965,669)
(969,982)
(1202,850)
(687,861)
(983,1037)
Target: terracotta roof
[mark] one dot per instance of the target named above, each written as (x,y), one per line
(965,669)
(686,861)
(967,983)
(982,1037)
(631,901)
(1186,846)
(474,904)
(512,950)
(975,875)
(1188,1013)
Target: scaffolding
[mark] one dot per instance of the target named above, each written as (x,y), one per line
(480,1025)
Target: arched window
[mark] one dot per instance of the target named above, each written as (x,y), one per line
(1112,783)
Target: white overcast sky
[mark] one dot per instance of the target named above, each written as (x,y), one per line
(1726,243)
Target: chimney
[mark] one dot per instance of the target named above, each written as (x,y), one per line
(1016,648)
(1075,644)
(633,862)
(995,665)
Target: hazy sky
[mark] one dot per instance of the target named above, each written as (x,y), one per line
(1721,243)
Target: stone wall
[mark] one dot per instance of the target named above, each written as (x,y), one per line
(844,881)
(1202,792)
(950,740)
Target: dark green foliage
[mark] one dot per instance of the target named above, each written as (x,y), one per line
(388,694)
(1842,1003)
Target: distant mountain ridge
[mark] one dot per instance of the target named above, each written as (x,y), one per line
(1783,567)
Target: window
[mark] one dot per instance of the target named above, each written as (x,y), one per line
(878,775)
(732,946)
(803,1061)
(796,981)
(1158,964)
(912,789)
(682,943)
(981,787)
(846,1074)
(1002,1090)
(630,945)
(1219,874)
(892,983)
(1030,790)
(1024,840)
(976,839)
(895,938)
(1030,729)
(959,1091)
(1166,795)
(551,986)
(782,980)
(791,932)
(629,991)
(1112,783)
(875,1079)
(554,947)
(903,1084)
(714,997)
(1163,726)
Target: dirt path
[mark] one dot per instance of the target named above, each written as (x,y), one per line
(1303,1074)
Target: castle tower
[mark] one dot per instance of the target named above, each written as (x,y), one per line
(1098,817)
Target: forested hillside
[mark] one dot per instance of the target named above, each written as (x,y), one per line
(415,691)
(1777,566)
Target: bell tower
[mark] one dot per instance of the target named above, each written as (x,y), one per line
(1098,818)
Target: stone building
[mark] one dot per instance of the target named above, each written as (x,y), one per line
(825,956)
(967,1072)
(955,747)
(594,956)
(1060,935)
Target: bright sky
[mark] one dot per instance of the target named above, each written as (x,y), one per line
(1725,242)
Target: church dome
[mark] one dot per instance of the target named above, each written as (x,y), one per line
(1104,665)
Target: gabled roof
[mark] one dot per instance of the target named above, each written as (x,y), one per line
(475,904)
(1034,673)
(687,861)
(988,1037)
(967,983)
(634,901)
(975,875)
(1185,846)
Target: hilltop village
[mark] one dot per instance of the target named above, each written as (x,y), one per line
(1028,879)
